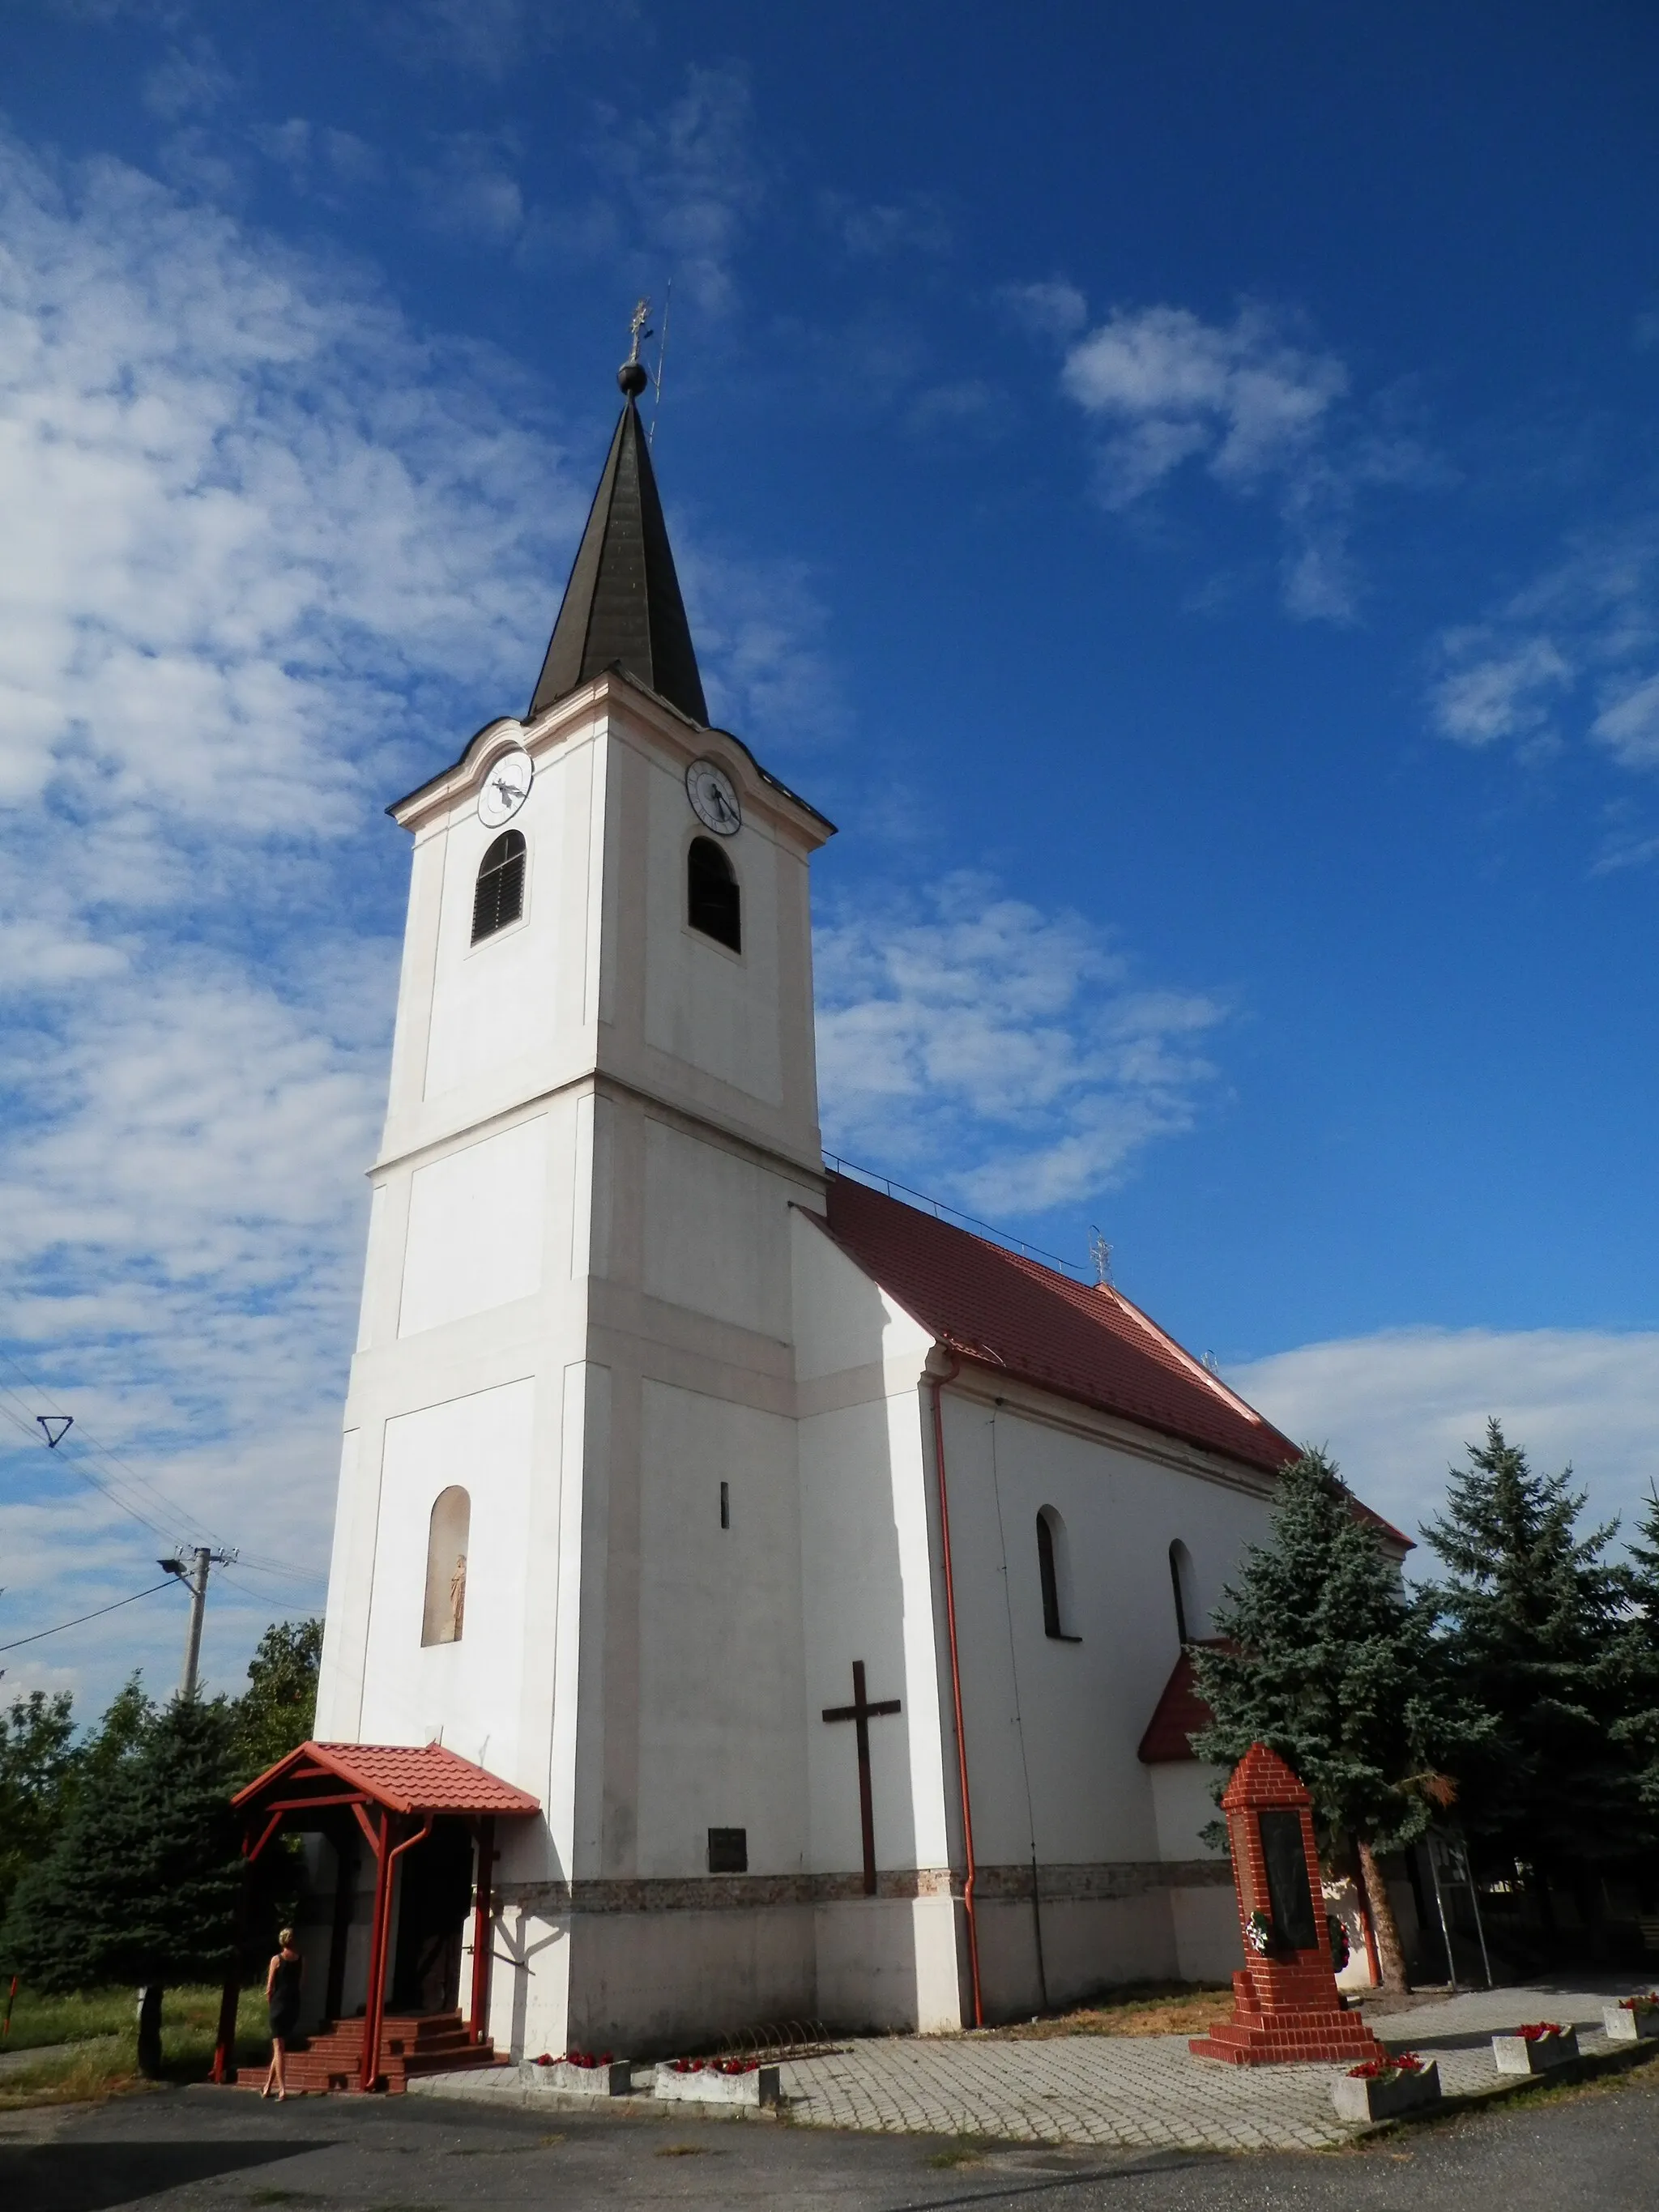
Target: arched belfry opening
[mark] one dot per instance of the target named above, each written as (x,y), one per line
(498,895)
(447,1536)
(713,899)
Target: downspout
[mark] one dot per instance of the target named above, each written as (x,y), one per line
(939,1383)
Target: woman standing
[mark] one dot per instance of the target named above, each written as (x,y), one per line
(282,1995)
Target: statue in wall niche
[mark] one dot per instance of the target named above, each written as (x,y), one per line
(457,1597)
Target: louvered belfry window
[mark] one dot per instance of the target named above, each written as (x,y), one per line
(713,900)
(499,897)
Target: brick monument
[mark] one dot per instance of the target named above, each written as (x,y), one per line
(1286,2002)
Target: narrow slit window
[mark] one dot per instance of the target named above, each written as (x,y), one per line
(1181,1587)
(725,1505)
(713,903)
(498,897)
(1054,1572)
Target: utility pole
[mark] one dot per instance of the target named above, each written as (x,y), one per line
(194,1580)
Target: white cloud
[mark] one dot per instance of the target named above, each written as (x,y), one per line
(1573,652)
(1004,1053)
(191,80)
(870,230)
(1254,404)
(469,191)
(1485,694)
(270,554)
(690,182)
(1051,310)
(1398,1407)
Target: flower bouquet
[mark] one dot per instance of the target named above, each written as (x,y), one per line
(1382,2088)
(1633,2019)
(1534,2048)
(717,2081)
(1259,1933)
(583,2073)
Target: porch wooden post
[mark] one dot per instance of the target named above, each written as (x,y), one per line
(483,1942)
(374,2001)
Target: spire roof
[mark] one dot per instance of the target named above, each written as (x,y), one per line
(621,607)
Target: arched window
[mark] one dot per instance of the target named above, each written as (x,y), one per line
(1181,1582)
(499,897)
(713,903)
(445,1567)
(1054,1571)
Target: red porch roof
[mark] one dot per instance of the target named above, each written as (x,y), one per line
(404,1778)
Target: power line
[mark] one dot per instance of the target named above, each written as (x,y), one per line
(83,1442)
(18,1642)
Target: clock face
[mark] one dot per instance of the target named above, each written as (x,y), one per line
(714,798)
(505,787)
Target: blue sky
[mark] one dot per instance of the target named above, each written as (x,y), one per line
(1178,486)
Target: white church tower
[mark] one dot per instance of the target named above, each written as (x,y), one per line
(567,1543)
(823,1571)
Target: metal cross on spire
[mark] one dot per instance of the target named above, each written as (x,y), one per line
(637,327)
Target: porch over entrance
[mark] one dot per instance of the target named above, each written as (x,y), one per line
(426,1819)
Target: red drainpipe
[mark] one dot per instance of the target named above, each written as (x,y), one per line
(939,1383)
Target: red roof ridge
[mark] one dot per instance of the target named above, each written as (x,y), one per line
(1196,1368)
(1005,1310)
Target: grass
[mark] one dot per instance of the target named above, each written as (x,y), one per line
(1137,2009)
(969,2151)
(102,2027)
(683,2150)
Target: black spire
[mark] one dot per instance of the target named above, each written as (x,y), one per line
(622,606)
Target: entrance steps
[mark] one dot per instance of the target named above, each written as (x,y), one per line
(410,2043)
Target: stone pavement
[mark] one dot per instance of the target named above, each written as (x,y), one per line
(1132,2092)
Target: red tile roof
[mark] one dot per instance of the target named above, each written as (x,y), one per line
(1082,1341)
(1178,1714)
(404,1778)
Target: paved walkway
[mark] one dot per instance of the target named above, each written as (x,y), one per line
(1134,2092)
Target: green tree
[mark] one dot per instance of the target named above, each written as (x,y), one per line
(1532,1613)
(37,1760)
(1330,1663)
(142,1885)
(1635,1657)
(277,1710)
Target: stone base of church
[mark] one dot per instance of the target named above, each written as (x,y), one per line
(655,1968)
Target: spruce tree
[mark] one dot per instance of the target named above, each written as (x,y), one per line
(1328,1662)
(1635,1657)
(37,1761)
(142,1885)
(1532,1613)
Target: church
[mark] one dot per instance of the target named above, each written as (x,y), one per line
(802,1578)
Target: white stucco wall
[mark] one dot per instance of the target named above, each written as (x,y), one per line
(719,1629)
(467,1689)
(476,1232)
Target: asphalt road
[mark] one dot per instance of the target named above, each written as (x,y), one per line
(219,2152)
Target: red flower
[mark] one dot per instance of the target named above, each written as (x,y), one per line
(1384,2069)
(1539,2031)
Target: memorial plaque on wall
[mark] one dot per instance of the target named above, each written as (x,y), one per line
(1289,1897)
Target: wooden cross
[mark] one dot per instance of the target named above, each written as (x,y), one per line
(860,1712)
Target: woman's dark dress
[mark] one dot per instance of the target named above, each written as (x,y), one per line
(285,1999)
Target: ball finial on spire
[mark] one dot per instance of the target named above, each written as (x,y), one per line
(632,376)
